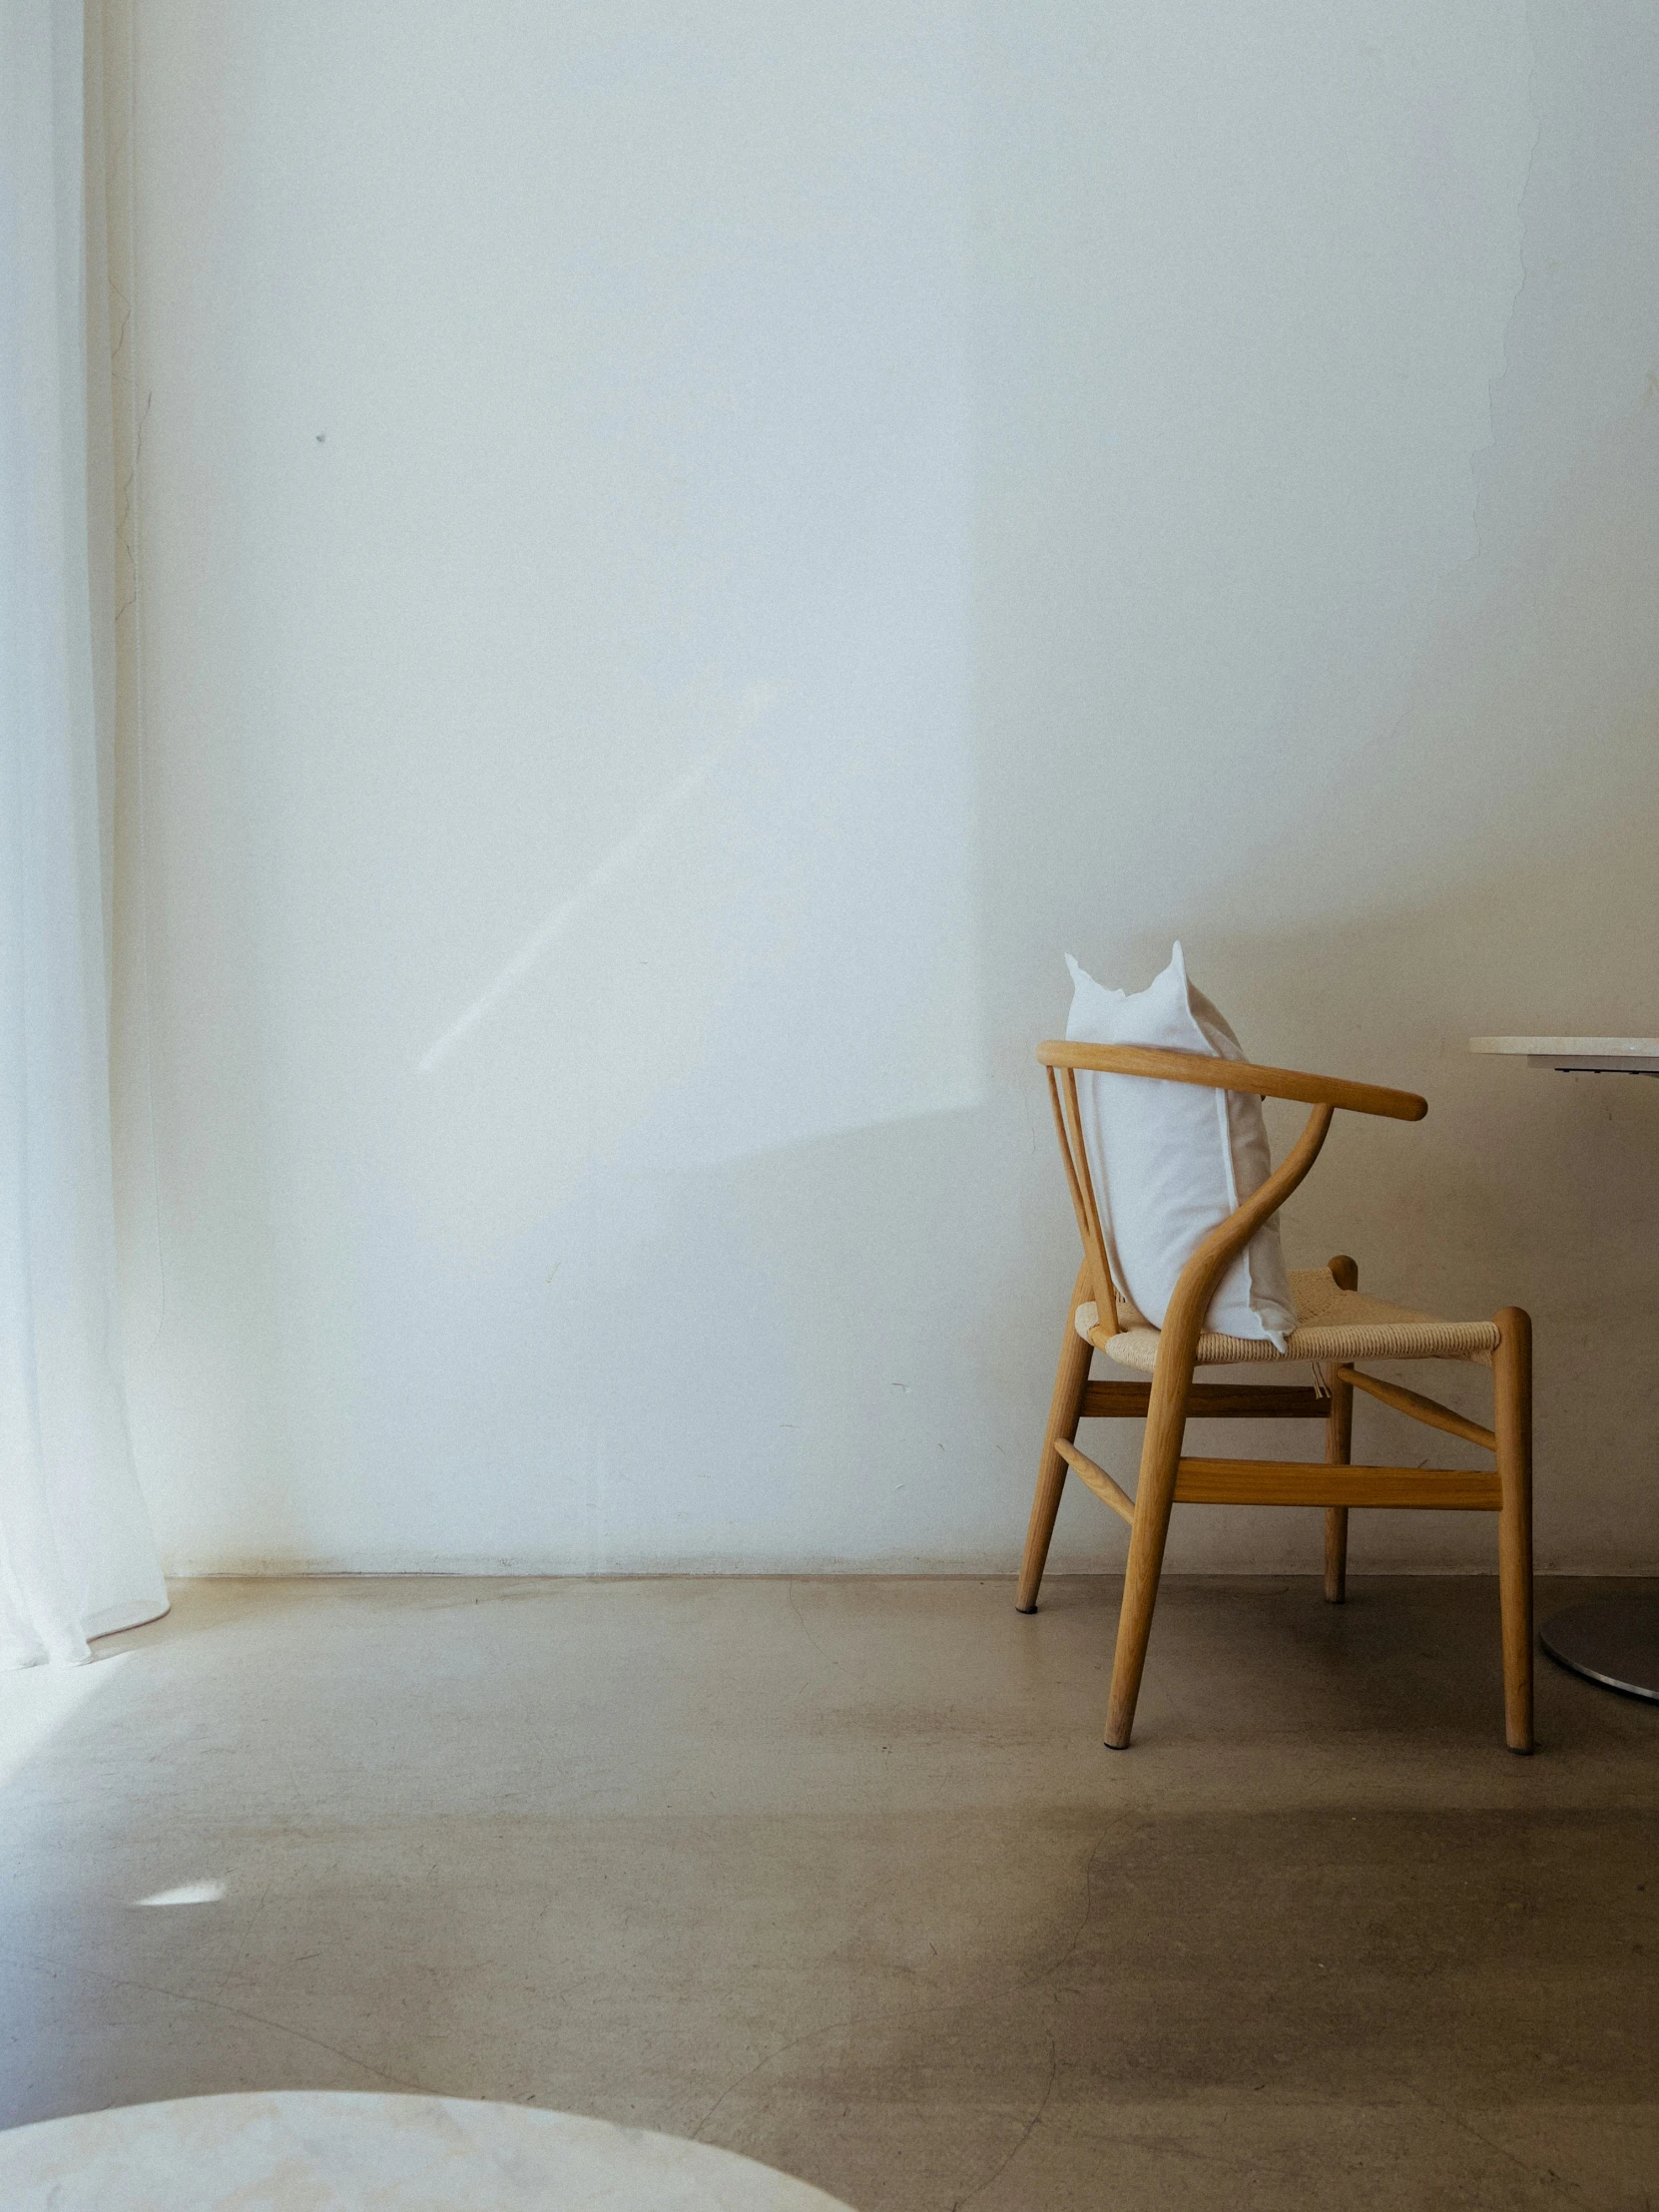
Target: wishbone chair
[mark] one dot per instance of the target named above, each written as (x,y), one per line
(1337,1325)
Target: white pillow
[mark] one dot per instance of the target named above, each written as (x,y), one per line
(1170,1160)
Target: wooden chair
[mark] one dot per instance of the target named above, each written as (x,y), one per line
(1337,1326)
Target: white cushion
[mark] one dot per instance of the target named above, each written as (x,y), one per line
(1171,1160)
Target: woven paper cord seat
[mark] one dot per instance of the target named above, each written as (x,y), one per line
(1333,1325)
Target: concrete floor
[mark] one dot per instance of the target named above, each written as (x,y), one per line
(838,1874)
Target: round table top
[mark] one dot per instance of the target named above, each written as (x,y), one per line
(1593,1055)
(332,2151)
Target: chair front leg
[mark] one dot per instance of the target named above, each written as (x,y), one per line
(1064,1411)
(1512,1426)
(1167,1416)
(1166,1426)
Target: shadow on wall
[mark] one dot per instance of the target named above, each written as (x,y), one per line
(845,1346)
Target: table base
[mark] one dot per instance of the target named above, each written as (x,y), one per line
(1611,1640)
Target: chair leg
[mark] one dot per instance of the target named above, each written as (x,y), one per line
(1512,1426)
(1335,1541)
(1339,1449)
(1064,1411)
(1154,1498)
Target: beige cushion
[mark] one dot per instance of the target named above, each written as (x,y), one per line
(1332,1325)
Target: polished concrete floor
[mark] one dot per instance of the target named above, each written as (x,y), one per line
(838,1874)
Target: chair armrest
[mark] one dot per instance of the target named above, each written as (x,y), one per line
(1231,1075)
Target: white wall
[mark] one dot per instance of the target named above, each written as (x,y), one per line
(686,555)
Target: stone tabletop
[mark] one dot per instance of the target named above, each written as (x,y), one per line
(327,2151)
(1595,1055)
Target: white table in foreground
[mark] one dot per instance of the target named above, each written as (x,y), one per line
(330,2151)
(1612,1640)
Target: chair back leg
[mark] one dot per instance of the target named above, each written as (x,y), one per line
(1335,1535)
(1512,1426)
(1339,1449)
(1064,1411)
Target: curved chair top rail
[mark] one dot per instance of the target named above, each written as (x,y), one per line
(1231,1075)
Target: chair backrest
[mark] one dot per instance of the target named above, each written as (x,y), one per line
(1324,1093)
(1109,1296)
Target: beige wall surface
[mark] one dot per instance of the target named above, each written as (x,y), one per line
(686,556)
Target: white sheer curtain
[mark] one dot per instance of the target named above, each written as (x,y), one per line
(77,1557)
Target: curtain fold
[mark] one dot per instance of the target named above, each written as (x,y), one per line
(76,1556)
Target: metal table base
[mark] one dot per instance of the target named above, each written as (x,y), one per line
(1612,1640)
